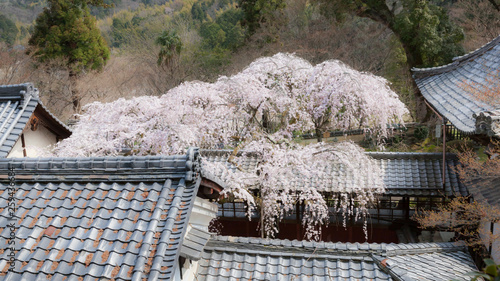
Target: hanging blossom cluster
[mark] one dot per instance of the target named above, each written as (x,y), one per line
(289,174)
(258,110)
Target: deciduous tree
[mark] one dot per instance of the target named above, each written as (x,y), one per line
(465,216)
(8,30)
(258,12)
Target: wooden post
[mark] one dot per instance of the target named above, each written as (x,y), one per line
(24,146)
(444,144)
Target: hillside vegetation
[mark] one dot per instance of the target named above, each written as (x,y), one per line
(156,45)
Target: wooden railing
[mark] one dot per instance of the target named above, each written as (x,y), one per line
(452,133)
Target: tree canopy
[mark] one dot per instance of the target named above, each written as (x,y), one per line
(8,30)
(257,110)
(65,29)
(423,28)
(170,47)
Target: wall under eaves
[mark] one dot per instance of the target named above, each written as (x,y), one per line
(35,142)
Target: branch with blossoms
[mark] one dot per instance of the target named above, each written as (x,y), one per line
(289,174)
(464,217)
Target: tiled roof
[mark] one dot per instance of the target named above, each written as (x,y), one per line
(120,218)
(17,104)
(486,189)
(411,174)
(419,174)
(443,87)
(238,258)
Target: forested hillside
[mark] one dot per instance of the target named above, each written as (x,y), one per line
(156,45)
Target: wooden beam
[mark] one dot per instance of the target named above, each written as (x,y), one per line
(209,189)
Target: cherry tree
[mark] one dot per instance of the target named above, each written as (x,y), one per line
(192,114)
(258,110)
(338,97)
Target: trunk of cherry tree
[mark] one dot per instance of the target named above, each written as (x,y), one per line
(266,124)
(262,233)
(319,135)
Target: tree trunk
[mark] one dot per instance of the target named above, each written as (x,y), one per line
(262,233)
(319,135)
(266,123)
(75,95)
(382,14)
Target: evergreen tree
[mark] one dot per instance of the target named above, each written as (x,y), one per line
(256,12)
(8,30)
(66,30)
(171,46)
(423,28)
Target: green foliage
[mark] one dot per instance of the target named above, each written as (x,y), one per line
(101,12)
(67,30)
(225,32)
(426,30)
(212,34)
(428,37)
(421,133)
(229,22)
(212,61)
(8,30)
(256,12)
(198,11)
(220,38)
(171,46)
(490,272)
(124,29)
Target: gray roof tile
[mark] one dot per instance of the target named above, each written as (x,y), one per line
(410,174)
(194,243)
(126,230)
(443,87)
(229,258)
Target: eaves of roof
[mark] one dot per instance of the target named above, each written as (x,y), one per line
(229,258)
(404,173)
(445,87)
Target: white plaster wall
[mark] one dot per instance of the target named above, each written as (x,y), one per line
(190,271)
(35,142)
(203,212)
(201,215)
(495,249)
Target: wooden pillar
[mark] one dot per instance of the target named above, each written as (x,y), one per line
(24,146)
(297,221)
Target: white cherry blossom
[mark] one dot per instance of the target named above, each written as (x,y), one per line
(258,110)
